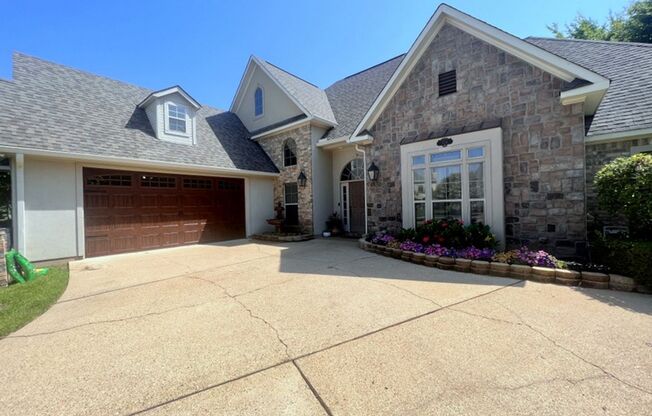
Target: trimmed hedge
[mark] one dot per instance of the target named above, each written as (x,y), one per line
(627,258)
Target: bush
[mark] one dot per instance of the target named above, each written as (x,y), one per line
(453,234)
(628,258)
(624,187)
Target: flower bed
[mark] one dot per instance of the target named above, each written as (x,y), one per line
(449,245)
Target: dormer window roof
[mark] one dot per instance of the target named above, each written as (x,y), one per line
(168,91)
(172,114)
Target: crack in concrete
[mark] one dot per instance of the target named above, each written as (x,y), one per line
(485,317)
(110,321)
(250,312)
(568,350)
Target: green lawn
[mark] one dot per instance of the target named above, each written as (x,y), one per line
(21,303)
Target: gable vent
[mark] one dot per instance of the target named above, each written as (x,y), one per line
(447,83)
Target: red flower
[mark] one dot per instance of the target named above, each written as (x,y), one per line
(444,224)
(425,239)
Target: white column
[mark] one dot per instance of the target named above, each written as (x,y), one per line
(79,185)
(19,232)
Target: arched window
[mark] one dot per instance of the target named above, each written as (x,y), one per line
(353,171)
(258,102)
(289,153)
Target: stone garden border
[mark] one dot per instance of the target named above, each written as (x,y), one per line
(516,271)
(279,238)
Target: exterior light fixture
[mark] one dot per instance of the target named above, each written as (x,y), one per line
(302,179)
(373,172)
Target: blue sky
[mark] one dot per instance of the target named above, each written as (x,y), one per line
(204,45)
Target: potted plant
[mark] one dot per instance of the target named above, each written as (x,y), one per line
(334,224)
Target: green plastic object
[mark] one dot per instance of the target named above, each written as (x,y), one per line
(29,271)
(10,258)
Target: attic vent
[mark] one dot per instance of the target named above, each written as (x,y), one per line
(447,83)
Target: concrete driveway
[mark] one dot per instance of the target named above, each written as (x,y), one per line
(323,327)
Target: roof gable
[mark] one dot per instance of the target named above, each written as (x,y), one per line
(169,91)
(546,61)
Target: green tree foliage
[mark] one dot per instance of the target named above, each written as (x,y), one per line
(634,24)
(625,188)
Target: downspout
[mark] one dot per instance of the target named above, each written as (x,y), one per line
(364,162)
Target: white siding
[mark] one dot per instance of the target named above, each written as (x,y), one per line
(260,204)
(322,182)
(50,209)
(276,104)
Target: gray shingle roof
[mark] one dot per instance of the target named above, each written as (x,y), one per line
(48,106)
(627,104)
(313,98)
(351,97)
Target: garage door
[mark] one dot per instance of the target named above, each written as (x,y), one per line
(131,211)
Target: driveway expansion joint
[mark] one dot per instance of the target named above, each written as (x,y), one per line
(313,390)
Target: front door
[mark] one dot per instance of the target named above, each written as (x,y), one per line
(353,206)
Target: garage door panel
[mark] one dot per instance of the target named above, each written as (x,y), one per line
(130,211)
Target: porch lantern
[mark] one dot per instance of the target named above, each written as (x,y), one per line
(302,179)
(373,172)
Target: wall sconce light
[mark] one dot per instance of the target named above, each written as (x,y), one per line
(373,172)
(302,179)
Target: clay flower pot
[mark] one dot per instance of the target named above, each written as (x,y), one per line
(542,274)
(595,280)
(480,267)
(397,253)
(431,261)
(499,269)
(407,255)
(418,258)
(618,282)
(567,277)
(446,263)
(462,265)
(520,271)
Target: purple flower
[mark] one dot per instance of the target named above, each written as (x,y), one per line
(409,245)
(382,239)
(437,250)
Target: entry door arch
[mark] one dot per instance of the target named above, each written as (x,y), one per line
(352,196)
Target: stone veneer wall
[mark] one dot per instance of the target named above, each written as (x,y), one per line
(598,155)
(5,279)
(273,145)
(543,141)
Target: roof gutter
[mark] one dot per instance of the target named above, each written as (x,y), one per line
(153,164)
(617,136)
(282,128)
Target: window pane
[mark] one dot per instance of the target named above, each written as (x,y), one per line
(446,182)
(476,180)
(442,157)
(419,213)
(477,212)
(291,193)
(289,153)
(419,160)
(177,125)
(442,210)
(476,152)
(419,180)
(258,102)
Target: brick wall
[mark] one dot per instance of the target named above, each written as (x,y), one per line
(542,140)
(273,145)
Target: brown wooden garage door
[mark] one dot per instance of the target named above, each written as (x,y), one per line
(131,211)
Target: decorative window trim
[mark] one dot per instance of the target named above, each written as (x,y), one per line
(262,101)
(491,140)
(188,120)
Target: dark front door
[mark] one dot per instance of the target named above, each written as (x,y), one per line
(356,207)
(130,211)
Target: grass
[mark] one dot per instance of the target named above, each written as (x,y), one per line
(22,303)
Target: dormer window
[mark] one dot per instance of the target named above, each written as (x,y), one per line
(258,102)
(177,118)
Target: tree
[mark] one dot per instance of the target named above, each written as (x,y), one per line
(634,24)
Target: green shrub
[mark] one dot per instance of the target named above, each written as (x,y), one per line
(625,257)
(452,233)
(624,187)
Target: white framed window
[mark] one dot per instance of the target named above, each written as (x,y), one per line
(463,180)
(259,102)
(177,118)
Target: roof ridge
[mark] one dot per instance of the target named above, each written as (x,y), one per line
(290,73)
(372,67)
(608,42)
(79,71)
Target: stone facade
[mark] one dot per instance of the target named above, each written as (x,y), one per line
(543,141)
(5,279)
(598,155)
(273,145)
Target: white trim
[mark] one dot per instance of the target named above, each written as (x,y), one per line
(19,232)
(152,164)
(79,211)
(172,90)
(262,104)
(492,140)
(618,136)
(187,119)
(534,55)
(364,175)
(337,142)
(282,128)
